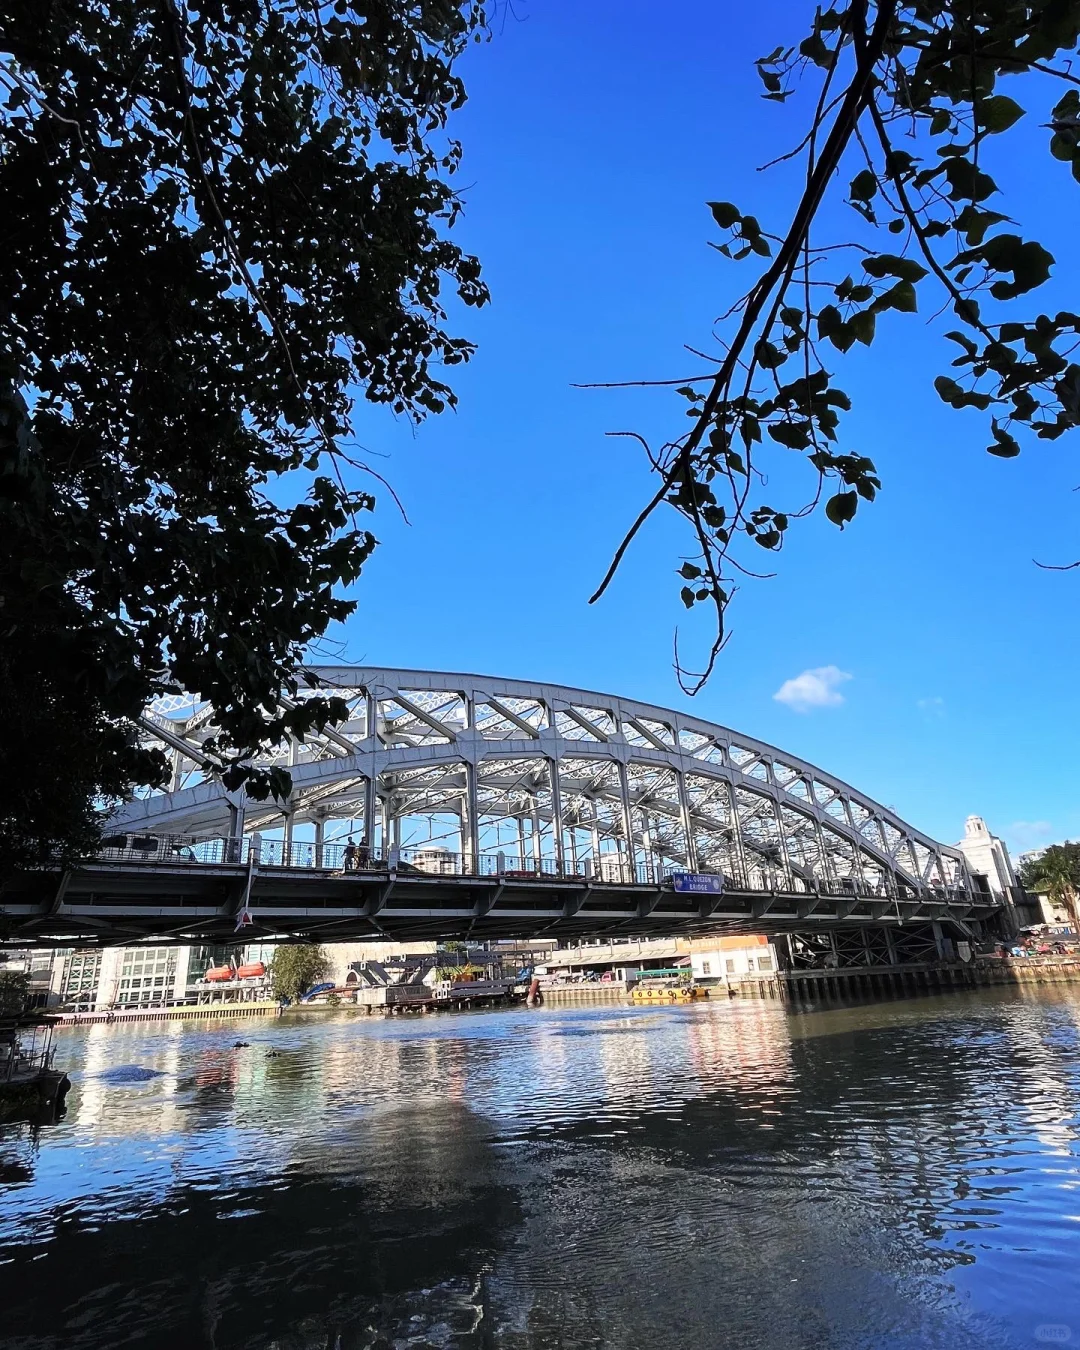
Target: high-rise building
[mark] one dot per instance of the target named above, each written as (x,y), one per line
(89,978)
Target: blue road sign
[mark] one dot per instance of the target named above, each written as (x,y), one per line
(700,883)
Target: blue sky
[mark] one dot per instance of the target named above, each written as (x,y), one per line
(593,137)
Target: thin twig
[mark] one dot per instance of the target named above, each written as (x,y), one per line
(36,93)
(852,106)
(813,130)
(641,384)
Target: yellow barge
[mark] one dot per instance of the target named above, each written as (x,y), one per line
(649,991)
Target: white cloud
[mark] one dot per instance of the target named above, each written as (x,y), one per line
(931,707)
(1022,835)
(818,688)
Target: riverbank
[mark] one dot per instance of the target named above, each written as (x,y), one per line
(865,983)
(1049,969)
(182,1013)
(393,1000)
(862,983)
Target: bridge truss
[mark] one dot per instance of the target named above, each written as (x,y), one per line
(492,792)
(460,767)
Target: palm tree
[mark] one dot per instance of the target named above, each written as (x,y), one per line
(1057,874)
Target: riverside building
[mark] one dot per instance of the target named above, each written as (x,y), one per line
(89,979)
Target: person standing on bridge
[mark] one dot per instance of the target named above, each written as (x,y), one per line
(350,856)
(363,853)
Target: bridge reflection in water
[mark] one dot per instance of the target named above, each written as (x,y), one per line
(486,807)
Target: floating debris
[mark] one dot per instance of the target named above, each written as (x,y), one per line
(129,1073)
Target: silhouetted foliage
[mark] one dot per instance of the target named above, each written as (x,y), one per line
(219,222)
(14,992)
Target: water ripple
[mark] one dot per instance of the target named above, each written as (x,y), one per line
(887,1176)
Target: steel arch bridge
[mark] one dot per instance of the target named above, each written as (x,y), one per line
(502,807)
(484,767)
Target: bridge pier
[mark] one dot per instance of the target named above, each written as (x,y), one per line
(874,982)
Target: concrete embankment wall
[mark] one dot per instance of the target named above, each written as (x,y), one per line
(856,982)
(198,1013)
(809,986)
(1028,969)
(592,992)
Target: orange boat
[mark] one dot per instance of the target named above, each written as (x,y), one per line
(252,971)
(219,973)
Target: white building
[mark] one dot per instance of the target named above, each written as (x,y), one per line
(89,978)
(732,958)
(438,860)
(987,855)
(711,960)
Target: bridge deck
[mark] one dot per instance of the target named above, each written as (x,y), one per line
(115,902)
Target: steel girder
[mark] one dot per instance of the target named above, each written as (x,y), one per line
(493,765)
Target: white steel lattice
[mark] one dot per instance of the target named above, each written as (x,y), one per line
(479,766)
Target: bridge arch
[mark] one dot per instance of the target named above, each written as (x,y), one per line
(470,772)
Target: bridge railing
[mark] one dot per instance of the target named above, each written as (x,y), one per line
(345,858)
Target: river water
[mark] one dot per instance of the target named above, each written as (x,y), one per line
(727,1174)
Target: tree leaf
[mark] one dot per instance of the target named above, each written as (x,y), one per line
(901,296)
(862,325)
(725,214)
(997,113)
(768,356)
(1028,261)
(889,265)
(959,397)
(1004,445)
(966,181)
(794,435)
(973,221)
(841,508)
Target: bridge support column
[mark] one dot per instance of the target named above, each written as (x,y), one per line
(534,812)
(470,824)
(371,807)
(387,841)
(320,825)
(628,825)
(287,838)
(556,815)
(688,829)
(236,831)
(735,813)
